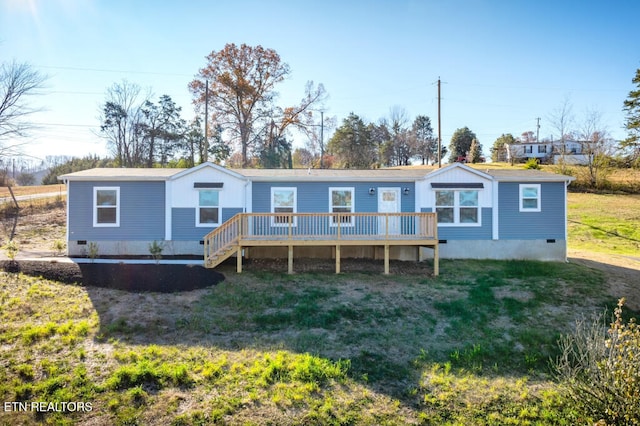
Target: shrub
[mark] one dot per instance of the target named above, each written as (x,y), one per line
(11,248)
(600,370)
(58,247)
(532,163)
(94,250)
(155,249)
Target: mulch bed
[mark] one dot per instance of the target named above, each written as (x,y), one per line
(123,276)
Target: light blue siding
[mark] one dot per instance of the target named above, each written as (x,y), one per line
(142,212)
(482,232)
(183,223)
(313,197)
(549,223)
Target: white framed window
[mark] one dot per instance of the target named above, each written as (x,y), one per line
(208,211)
(530,198)
(458,207)
(342,200)
(106,206)
(283,200)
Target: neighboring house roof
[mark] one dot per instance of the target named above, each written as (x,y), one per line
(326,175)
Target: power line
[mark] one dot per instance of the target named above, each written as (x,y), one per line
(114,71)
(64,125)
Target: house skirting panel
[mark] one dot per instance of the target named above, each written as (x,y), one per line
(134,248)
(551,250)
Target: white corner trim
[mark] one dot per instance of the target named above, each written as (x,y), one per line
(495,222)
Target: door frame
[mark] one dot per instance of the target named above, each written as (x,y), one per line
(394,223)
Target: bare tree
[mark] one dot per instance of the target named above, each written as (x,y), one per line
(242,91)
(18,81)
(561,119)
(399,148)
(317,134)
(299,117)
(597,147)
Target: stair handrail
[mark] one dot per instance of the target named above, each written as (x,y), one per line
(223,236)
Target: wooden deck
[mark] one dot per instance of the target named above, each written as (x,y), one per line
(246,230)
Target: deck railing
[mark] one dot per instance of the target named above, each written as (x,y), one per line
(247,229)
(338,226)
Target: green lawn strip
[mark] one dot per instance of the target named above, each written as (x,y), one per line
(604,223)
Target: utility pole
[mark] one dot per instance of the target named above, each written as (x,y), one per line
(205,151)
(322,139)
(439,129)
(538,130)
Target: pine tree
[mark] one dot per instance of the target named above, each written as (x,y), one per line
(632,124)
(461,143)
(475,151)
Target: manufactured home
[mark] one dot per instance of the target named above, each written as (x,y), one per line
(408,214)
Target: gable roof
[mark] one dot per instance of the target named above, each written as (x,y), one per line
(122,174)
(208,165)
(313,175)
(462,166)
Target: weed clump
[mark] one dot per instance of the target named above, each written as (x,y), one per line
(600,370)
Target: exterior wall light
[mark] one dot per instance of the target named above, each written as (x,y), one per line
(406,191)
(372,191)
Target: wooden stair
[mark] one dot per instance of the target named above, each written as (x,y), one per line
(222,242)
(221,255)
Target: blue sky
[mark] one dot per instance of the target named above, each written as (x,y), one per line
(502,62)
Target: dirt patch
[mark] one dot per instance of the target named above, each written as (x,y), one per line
(622,273)
(123,276)
(35,229)
(511,293)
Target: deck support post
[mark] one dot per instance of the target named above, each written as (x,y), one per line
(337,259)
(386,259)
(290,267)
(239,259)
(436,261)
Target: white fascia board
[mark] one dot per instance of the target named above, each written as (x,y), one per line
(208,165)
(454,166)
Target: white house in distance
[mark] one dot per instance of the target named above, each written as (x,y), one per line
(555,152)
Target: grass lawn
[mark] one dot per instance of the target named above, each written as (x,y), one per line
(470,347)
(605,223)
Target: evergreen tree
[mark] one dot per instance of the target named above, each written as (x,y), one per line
(352,144)
(632,123)
(475,152)
(425,143)
(461,143)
